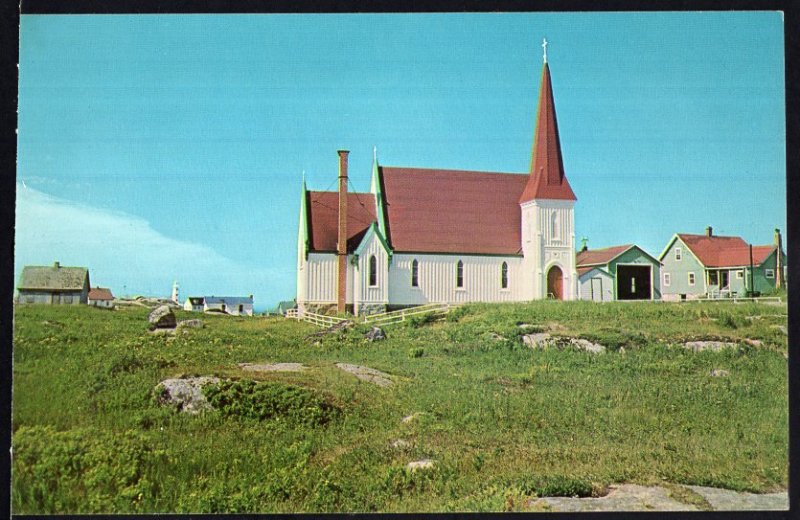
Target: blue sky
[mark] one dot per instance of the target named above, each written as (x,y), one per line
(155,148)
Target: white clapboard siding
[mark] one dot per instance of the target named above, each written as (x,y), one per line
(378,293)
(437,279)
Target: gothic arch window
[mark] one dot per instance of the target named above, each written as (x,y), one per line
(555,226)
(373,271)
(504,276)
(415,273)
(460,274)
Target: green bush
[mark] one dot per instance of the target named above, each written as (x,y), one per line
(81,471)
(557,486)
(268,400)
(419,320)
(416,352)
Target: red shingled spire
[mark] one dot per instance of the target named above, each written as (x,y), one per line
(547,179)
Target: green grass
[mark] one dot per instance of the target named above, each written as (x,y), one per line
(503,422)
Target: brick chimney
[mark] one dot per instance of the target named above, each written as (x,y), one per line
(779,260)
(709,231)
(341,243)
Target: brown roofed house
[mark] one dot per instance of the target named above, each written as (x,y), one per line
(713,266)
(101,297)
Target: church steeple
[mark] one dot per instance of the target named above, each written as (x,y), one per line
(547,179)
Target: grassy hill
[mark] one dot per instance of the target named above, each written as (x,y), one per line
(502,422)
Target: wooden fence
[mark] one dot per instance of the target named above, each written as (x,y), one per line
(386,318)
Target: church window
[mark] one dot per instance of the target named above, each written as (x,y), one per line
(373,271)
(415,273)
(460,274)
(555,230)
(504,276)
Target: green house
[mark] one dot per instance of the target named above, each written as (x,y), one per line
(711,266)
(618,273)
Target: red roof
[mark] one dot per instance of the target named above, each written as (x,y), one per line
(100,293)
(452,211)
(583,270)
(719,251)
(323,221)
(599,256)
(547,179)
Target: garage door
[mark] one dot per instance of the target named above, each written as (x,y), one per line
(633,282)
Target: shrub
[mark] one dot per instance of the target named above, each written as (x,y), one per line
(416,352)
(419,320)
(81,471)
(268,400)
(557,486)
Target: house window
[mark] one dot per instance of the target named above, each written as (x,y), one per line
(504,276)
(460,274)
(678,253)
(713,278)
(769,273)
(739,274)
(373,271)
(667,279)
(415,273)
(691,278)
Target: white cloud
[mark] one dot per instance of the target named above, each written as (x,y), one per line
(125,253)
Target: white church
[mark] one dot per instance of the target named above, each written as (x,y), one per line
(442,236)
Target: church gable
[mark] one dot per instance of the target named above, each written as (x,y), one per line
(323,219)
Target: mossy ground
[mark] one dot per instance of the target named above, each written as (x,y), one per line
(503,422)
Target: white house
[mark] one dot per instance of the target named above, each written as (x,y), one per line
(432,235)
(101,297)
(233,305)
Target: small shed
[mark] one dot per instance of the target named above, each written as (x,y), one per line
(630,272)
(54,284)
(595,284)
(101,297)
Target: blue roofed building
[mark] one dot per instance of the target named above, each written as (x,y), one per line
(233,305)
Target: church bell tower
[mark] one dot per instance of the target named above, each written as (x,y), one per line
(547,205)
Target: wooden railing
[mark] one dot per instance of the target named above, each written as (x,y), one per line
(386,318)
(320,320)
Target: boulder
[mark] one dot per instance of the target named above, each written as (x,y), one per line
(193,324)
(162,318)
(185,394)
(718,372)
(375,334)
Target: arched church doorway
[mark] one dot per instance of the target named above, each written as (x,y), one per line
(555,283)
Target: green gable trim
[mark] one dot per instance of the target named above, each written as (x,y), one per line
(375,189)
(303,225)
(372,231)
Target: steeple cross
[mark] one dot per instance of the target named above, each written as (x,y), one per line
(544,46)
